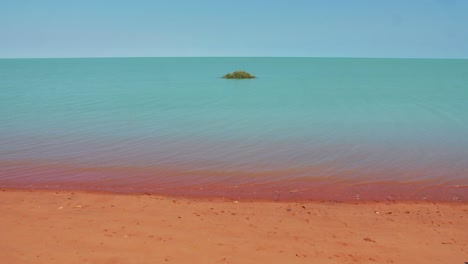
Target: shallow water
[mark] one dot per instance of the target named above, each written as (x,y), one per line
(309,127)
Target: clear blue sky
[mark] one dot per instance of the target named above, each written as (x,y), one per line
(311,28)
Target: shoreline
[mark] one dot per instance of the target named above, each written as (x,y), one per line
(224,199)
(299,191)
(49,226)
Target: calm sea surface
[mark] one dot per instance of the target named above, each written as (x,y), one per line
(305,128)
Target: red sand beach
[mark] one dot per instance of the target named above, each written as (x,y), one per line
(81,227)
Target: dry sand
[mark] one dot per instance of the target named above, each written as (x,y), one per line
(80,227)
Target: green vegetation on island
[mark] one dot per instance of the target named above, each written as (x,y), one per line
(239,75)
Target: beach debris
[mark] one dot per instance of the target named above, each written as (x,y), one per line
(236,202)
(368,239)
(61,207)
(377,212)
(79,206)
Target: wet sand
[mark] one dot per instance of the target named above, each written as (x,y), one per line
(81,227)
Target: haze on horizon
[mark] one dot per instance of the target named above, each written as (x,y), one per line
(301,28)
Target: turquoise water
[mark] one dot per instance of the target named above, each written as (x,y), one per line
(155,123)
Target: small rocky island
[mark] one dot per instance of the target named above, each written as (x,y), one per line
(239,75)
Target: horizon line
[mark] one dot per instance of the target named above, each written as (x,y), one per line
(317,57)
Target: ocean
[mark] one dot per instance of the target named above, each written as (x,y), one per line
(305,128)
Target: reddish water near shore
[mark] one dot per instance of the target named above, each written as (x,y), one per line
(265,185)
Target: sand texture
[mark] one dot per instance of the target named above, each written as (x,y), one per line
(80,227)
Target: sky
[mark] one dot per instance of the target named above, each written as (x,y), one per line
(222,28)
